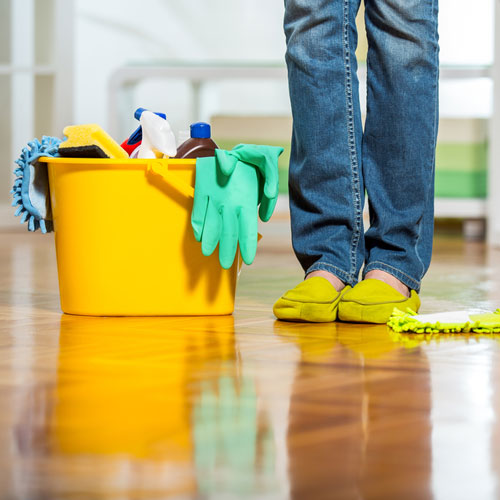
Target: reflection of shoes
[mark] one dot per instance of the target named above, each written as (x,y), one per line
(372,301)
(314,300)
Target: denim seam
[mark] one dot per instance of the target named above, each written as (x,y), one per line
(419,237)
(324,266)
(434,132)
(436,98)
(355,185)
(376,265)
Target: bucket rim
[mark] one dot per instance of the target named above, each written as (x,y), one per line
(135,162)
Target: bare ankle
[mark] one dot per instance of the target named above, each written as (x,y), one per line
(391,280)
(335,282)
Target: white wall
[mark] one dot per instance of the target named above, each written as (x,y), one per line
(466,32)
(112,33)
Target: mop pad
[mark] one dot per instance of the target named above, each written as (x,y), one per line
(31,187)
(89,141)
(445,322)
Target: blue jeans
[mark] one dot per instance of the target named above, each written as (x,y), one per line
(333,161)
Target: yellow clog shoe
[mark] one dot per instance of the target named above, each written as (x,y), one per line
(372,301)
(314,300)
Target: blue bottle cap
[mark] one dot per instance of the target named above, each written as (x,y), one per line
(200,130)
(139,111)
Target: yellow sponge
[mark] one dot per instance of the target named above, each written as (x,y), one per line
(89,141)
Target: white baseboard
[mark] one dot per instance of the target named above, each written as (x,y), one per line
(460,208)
(282,205)
(452,208)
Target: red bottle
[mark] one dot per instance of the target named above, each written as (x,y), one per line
(199,145)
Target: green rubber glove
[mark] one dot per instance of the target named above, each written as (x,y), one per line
(225,210)
(265,160)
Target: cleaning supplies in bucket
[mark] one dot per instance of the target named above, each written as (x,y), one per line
(230,186)
(31,187)
(157,269)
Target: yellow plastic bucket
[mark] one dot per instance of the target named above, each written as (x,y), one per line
(124,241)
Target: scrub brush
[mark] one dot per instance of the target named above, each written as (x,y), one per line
(446,322)
(31,187)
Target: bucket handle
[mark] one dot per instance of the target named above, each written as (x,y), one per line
(161,168)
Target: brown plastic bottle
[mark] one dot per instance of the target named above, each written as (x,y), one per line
(199,145)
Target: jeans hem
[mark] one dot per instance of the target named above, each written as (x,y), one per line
(400,275)
(341,275)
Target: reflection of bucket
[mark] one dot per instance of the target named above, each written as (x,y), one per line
(124,241)
(136,399)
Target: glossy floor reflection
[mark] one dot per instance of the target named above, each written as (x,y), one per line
(245,406)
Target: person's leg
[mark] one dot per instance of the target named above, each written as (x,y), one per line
(325,182)
(399,144)
(400,137)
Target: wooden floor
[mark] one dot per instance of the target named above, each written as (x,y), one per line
(245,406)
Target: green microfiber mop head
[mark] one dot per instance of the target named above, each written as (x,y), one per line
(447,322)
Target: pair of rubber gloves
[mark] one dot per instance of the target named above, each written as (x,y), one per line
(230,189)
